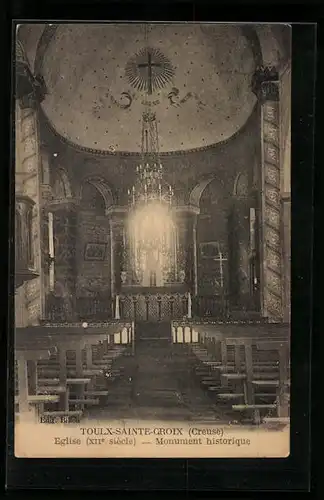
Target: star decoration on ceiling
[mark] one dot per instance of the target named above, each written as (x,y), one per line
(149,70)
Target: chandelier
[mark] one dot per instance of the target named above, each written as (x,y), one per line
(149,185)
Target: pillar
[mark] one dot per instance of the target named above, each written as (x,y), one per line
(65,237)
(45,199)
(266,87)
(240,252)
(187,239)
(29,93)
(286,258)
(285,122)
(117,247)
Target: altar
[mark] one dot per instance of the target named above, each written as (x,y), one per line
(153,306)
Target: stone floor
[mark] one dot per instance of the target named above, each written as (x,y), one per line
(158,383)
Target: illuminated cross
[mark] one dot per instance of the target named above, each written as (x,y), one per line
(149,65)
(221,260)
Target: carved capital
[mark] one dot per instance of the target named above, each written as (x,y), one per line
(265,83)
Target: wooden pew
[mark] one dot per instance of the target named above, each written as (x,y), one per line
(29,351)
(235,372)
(254,378)
(77,380)
(44,389)
(83,391)
(34,344)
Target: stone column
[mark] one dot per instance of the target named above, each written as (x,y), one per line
(266,86)
(117,250)
(45,199)
(65,238)
(187,236)
(29,93)
(286,257)
(241,208)
(285,122)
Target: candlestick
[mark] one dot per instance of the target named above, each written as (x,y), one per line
(51,234)
(51,250)
(117,311)
(189,306)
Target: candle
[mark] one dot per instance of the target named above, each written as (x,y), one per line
(189,305)
(117,311)
(50,234)
(51,250)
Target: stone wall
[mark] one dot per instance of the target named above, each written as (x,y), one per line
(285,146)
(29,301)
(183,170)
(212,237)
(93,276)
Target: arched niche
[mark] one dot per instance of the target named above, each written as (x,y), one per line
(95,195)
(197,191)
(92,200)
(61,188)
(241,186)
(243,244)
(93,271)
(212,197)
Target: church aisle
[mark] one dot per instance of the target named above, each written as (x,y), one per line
(158,383)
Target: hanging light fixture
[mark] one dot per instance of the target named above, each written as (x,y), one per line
(150,186)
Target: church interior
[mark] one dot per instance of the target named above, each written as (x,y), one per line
(152,221)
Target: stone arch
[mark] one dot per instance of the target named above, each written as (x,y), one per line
(197,191)
(274,42)
(102,187)
(241,185)
(61,187)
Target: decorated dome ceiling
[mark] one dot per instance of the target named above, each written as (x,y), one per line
(100,78)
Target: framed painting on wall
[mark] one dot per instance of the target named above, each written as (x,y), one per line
(209,250)
(95,251)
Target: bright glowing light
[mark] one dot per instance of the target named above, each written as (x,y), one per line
(152,234)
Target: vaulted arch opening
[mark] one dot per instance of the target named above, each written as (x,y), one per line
(213,200)
(93,252)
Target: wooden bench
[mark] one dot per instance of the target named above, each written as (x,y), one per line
(38,401)
(27,353)
(254,380)
(60,379)
(252,384)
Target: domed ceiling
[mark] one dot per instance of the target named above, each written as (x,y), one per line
(100,78)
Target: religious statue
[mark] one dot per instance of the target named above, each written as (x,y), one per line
(123,276)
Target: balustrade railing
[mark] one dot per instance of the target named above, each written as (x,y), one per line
(210,306)
(138,307)
(83,309)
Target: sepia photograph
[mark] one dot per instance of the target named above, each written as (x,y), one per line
(152,240)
